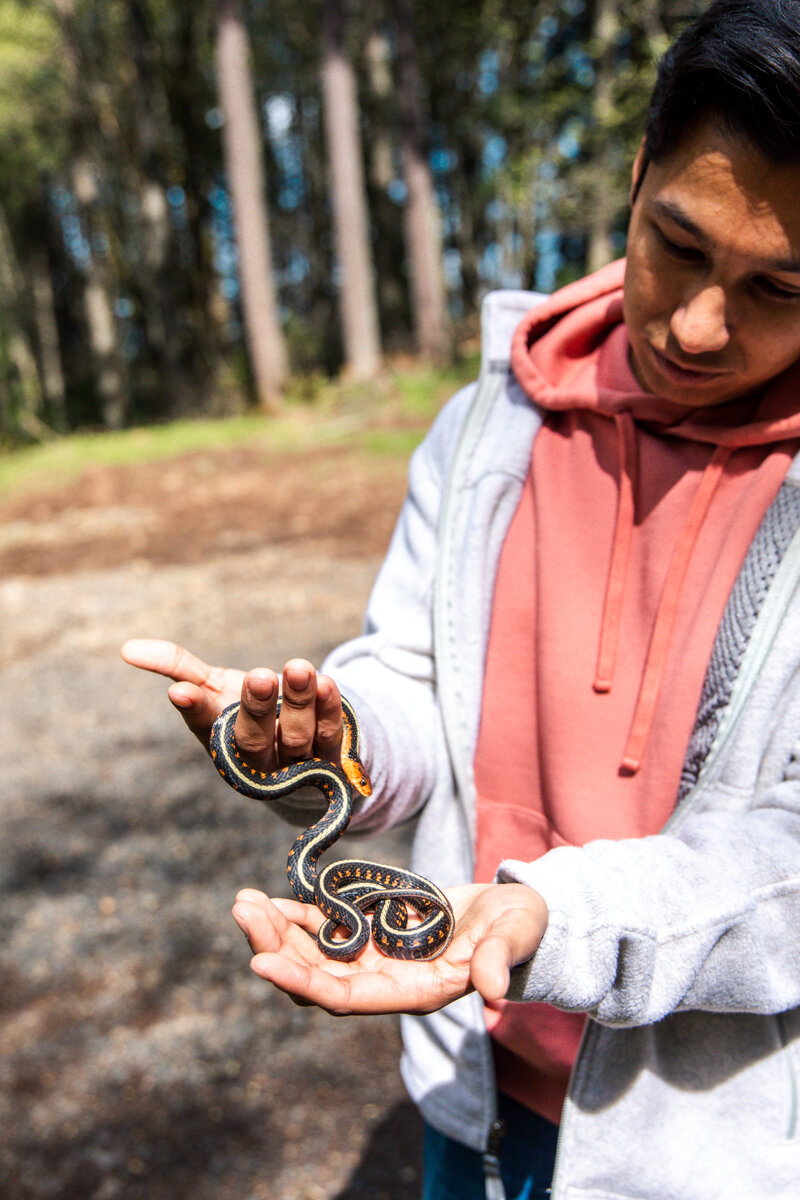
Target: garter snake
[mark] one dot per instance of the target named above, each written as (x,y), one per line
(345,891)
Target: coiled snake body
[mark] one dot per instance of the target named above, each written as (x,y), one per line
(345,891)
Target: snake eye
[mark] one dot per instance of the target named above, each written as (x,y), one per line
(365,784)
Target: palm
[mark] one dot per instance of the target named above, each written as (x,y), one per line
(373,982)
(223,685)
(280,932)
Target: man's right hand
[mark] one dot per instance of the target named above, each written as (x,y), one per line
(311,714)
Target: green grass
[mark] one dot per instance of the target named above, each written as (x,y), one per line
(397,443)
(63,458)
(375,416)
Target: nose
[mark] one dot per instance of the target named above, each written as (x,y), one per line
(699,323)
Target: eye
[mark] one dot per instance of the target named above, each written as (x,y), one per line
(776,291)
(676,250)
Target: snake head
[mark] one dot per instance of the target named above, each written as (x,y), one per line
(357,776)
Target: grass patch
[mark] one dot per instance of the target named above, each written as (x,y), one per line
(396,443)
(422,390)
(62,459)
(339,410)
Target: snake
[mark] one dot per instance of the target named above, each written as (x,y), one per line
(350,890)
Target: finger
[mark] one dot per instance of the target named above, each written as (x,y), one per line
(512,937)
(263,929)
(285,915)
(166,658)
(346,988)
(199,709)
(338,994)
(267,930)
(328,739)
(252,896)
(241,921)
(304,916)
(254,728)
(490,969)
(297,724)
(293,912)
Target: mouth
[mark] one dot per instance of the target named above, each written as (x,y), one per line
(688,376)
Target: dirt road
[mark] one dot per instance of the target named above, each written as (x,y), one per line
(139,1055)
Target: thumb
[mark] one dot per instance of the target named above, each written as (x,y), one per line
(511,938)
(490,969)
(198,710)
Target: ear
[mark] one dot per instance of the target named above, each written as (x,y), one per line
(637,174)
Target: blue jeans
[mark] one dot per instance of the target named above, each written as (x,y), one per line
(527,1155)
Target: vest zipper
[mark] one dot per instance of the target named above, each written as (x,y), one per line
(491,1162)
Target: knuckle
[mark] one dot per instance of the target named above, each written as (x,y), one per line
(294,740)
(329,730)
(252,742)
(178,658)
(298,704)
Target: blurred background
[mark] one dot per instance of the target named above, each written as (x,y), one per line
(197,200)
(243,248)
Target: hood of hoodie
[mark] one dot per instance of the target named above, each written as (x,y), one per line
(553,342)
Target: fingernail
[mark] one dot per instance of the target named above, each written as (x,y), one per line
(240,921)
(297,677)
(180,701)
(261,684)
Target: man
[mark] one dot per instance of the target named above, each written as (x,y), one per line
(581,663)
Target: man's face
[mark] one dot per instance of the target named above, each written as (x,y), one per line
(712,287)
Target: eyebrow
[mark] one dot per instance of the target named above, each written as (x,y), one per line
(675,213)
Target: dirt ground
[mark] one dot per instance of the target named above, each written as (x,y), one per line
(139,1056)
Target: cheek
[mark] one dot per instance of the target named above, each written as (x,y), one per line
(648,302)
(643,302)
(769,350)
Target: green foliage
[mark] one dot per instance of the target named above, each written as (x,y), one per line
(125,89)
(32,96)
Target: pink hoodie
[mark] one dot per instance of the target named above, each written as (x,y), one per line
(633,523)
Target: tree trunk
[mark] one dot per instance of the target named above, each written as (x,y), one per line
(378,60)
(159,302)
(24,416)
(351,224)
(98,306)
(242,147)
(599,249)
(389,243)
(422,225)
(47,331)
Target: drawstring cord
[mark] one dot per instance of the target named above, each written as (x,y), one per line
(667,609)
(618,570)
(656,660)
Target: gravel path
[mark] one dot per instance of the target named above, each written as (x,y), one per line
(139,1056)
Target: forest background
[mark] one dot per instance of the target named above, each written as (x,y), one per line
(200,203)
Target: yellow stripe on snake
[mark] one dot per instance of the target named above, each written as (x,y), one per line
(346,891)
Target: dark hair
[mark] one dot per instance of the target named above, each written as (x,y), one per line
(739,65)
